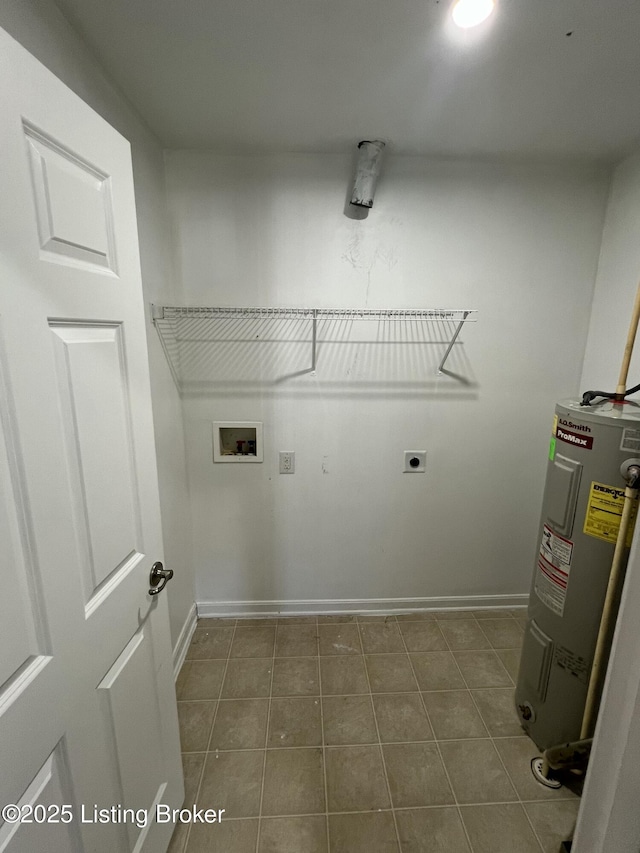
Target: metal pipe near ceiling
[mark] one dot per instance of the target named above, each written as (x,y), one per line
(367,171)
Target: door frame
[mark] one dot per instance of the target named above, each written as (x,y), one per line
(608,816)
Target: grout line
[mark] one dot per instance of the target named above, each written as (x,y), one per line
(375,720)
(444,766)
(266,737)
(497,752)
(396,809)
(335,695)
(324,748)
(298,656)
(360,743)
(213,722)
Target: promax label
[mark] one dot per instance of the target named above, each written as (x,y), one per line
(585,441)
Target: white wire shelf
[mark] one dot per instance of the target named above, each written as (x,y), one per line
(174,326)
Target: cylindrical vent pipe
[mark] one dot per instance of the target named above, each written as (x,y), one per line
(367,172)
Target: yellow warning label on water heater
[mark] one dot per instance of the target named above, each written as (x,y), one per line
(604,511)
(555,425)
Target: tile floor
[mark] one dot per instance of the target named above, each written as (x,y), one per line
(361,734)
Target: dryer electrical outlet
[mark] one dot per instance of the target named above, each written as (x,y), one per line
(415,461)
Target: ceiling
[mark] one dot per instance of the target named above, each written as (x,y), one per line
(541,79)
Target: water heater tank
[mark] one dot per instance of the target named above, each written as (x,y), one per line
(590,449)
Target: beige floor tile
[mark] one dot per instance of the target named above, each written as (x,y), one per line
(419,616)
(423,637)
(232,781)
(179,838)
(355,779)
(247,679)
(253,642)
(447,615)
(209,643)
(493,613)
(196,719)
(240,724)
(511,661)
(295,677)
(453,715)
(257,622)
(295,722)
(503,633)
(476,772)
(293,835)
(362,833)
(216,622)
(181,680)
(388,618)
(192,764)
(432,831)
(521,616)
(498,711)
(464,634)
(499,829)
(381,637)
(293,782)
(516,753)
(401,718)
(343,674)
(297,620)
(416,775)
(203,679)
(296,641)
(341,639)
(229,836)
(553,822)
(390,673)
(436,670)
(482,669)
(348,720)
(337,619)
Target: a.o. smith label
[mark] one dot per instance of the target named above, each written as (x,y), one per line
(571,425)
(574,438)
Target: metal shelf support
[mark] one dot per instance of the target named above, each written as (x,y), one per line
(452,342)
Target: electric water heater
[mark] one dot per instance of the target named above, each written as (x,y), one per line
(590,451)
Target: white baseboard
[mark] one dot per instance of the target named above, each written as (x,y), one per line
(358,605)
(182,644)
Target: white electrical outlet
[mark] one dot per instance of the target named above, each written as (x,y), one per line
(415,461)
(287,462)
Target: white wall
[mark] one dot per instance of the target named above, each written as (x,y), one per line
(39,26)
(617,281)
(519,244)
(607,819)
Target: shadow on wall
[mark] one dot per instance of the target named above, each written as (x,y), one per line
(388,358)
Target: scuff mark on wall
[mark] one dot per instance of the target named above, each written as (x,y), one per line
(364,250)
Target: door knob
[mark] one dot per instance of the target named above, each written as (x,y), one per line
(159,578)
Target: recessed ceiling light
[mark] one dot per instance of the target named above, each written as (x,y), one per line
(470,13)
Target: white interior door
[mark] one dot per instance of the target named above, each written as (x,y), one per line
(87,704)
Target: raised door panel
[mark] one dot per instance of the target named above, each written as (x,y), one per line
(49,819)
(18,603)
(73,204)
(128,695)
(94,401)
